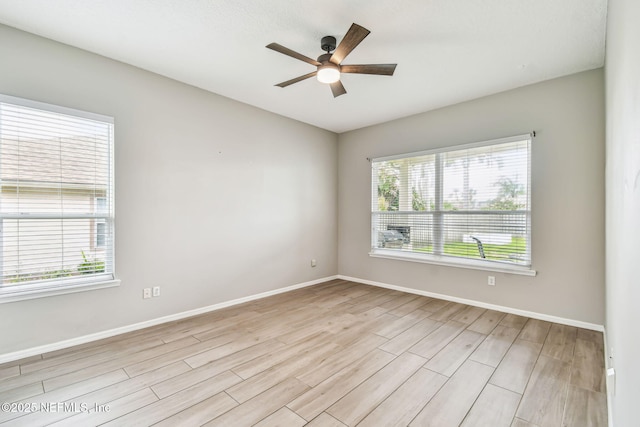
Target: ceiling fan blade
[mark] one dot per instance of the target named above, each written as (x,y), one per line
(291,53)
(352,39)
(297,79)
(337,89)
(379,69)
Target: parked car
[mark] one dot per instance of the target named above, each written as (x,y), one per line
(392,239)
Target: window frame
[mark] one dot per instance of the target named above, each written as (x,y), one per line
(445,260)
(44,288)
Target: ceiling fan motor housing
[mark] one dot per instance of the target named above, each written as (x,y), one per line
(324,58)
(328,43)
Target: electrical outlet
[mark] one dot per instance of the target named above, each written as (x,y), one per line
(146,293)
(313,263)
(491,280)
(156,291)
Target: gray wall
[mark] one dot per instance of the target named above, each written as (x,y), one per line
(623,206)
(567,196)
(215,200)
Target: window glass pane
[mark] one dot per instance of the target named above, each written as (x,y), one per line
(492,236)
(388,186)
(38,249)
(490,178)
(422,188)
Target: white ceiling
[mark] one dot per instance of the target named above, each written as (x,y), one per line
(447,51)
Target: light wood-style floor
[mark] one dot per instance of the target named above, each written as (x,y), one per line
(334,354)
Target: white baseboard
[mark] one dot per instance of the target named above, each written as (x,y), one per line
(533,315)
(610,383)
(21,354)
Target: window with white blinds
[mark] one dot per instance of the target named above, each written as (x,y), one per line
(468,205)
(56,200)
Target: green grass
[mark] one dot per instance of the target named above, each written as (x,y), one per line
(517,248)
(27,277)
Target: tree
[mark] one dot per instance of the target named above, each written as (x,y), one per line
(417,201)
(507,199)
(388,187)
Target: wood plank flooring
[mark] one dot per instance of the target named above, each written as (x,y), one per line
(335,354)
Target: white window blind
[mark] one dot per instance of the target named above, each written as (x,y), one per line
(469,204)
(56,203)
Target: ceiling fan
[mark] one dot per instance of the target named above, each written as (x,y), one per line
(329,66)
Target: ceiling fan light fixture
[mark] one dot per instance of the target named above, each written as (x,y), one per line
(328,73)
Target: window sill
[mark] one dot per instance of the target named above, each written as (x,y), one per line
(453,262)
(25,292)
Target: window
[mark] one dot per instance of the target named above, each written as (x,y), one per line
(56,199)
(468,206)
(100,223)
